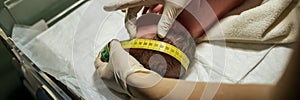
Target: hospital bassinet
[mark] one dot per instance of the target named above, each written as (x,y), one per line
(248,63)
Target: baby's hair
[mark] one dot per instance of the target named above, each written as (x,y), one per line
(162,63)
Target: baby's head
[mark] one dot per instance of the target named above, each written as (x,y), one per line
(159,62)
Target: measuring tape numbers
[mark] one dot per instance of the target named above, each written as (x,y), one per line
(158,46)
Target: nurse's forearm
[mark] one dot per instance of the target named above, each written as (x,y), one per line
(244,92)
(225,91)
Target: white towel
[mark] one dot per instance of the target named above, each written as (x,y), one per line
(272,21)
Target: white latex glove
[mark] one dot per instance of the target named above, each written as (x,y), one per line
(172,8)
(121,64)
(106,73)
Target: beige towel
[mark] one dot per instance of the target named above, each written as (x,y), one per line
(271,21)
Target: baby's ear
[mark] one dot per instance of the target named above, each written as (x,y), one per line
(167,40)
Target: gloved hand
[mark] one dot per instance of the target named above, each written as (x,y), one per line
(120,65)
(106,73)
(172,8)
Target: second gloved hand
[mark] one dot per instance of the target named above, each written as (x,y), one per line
(172,8)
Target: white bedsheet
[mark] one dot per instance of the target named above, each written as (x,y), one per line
(67,51)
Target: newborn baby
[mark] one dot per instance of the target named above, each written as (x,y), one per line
(162,63)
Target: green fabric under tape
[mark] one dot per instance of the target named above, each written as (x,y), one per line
(105,54)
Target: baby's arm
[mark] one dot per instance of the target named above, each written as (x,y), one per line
(202,12)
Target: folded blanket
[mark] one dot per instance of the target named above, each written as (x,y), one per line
(271,21)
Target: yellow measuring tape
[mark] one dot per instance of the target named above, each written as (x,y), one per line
(158,46)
